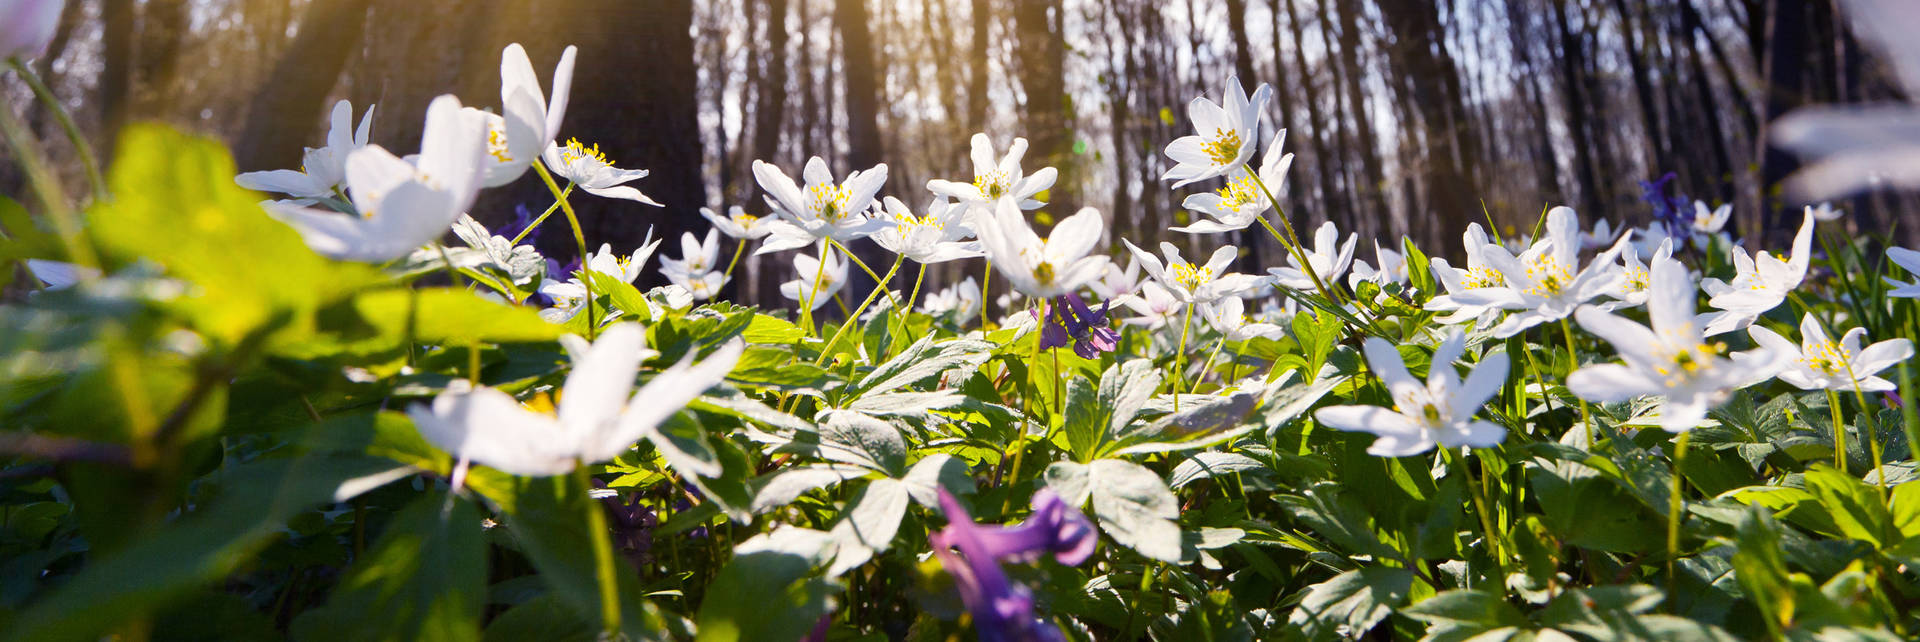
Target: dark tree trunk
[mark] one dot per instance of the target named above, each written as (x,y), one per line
(1042,71)
(285,114)
(116,76)
(771,98)
(1330,197)
(1784,66)
(977,71)
(863,85)
(1416,29)
(1574,89)
(1373,178)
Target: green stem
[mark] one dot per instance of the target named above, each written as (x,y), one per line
(602,553)
(1495,547)
(80,147)
(1292,240)
(1207,367)
(863,268)
(541,219)
(1674,510)
(1020,440)
(819,272)
(1180,358)
(738,249)
(1839,431)
(586,280)
(854,317)
(986,279)
(1573,363)
(53,197)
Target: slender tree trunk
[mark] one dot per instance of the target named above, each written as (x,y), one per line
(116,76)
(1577,103)
(977,72)
(771,98)
(1784,66)
(1373,179)
(1043,79)
(285,114)
(1330,197)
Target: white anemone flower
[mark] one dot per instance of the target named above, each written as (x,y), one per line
(1820,363)
(697,255)
(833,275)
(1546,283)
(29,26)
(596,418)
(1236,205)
(1224,137)
(528,123)
(625,268)
(701,285)
(1825,212)
(1439,411)
(1329,257)
(1195,283)
(738,223)
(936,237)
(1760,283)
(1157,307)
(962,301)
(400,205)
(1393,268)
(322,169)
(1709,225)
(994,180)
(1229,317)
(1601,236)
(589,168)
(1455,281)
(1043,268)
(1670,359)
(1631,290)
(824,210)
(568,297)
(1908,260)
(1115,282)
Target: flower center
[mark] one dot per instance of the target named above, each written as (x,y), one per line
(1224,148)
(1043,273)
(1687,363)
(1637,280)
(542,403)
(1827,358)
(828,200)
(575,152)
(1483,277)
(1188,275)
(993,184)
(1239,193)
(1549,275)
(497,144)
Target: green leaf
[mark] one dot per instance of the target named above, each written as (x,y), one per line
(1211,464)
(924,359)
(1351,603)
(1467,606)
(426,579)
(547,517)
(1855,506)
(765,592)
(853,438)
(451,316)
(1131,502)
(621,294)
(255,500)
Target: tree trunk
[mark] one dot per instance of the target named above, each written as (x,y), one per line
(287,111)
(978,70)
(1785,70)
(1577,103)
(1043,79)
(1373,179)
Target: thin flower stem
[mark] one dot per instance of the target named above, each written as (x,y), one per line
(1207,367)
(1839,431)
(1020,439)
(602,553)
(580,238)
(863,268)
(819,272)
(1540,379)
(1180,358)
(1675,509)
(51,102)
(853,317)
(986,280)
(28,152)
(1292,241)
(542,218)
(1573,363)
(1496,548)
(738,249)
(906,311)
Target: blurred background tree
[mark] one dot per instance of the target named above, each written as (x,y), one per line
(1408,116)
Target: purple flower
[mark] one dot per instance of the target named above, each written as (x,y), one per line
(1003,610)
(1069,320)
(1675,212)
(522,217)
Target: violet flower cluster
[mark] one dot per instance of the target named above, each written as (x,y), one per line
(1002,609)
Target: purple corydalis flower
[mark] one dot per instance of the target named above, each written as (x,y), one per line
(1003,610)
(1069,320)
(1675,212)
(522,217)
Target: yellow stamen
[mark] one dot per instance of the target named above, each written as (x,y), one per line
(1224,147)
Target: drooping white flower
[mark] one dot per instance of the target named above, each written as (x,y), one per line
(1908,260)
(1760,283)
(1157,307)
(1329,257)
(527,122)
(994,180)
(738,223)
(1195,283)
(590,169)
(1229,316)
(1439,411)
(938,236)
(625,268)
(1631,288)
(1115,282)
(1393,268)
(1670,359)
(1224,136)
(596,418)
(824,210)
(1825,212)
(1709,225)
(962,301)
(1456,281)
(1236,205)
(28,26)
(1819,363)
(833,275)
(1042,268)
(1545,283)
(323,169)
(400,205)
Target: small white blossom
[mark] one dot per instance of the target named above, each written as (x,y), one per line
(1195,283)
(1439,411)
(1224,137)
(995,180)
(1820,363)
(591,170)
(1760,283)
(1329,257)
